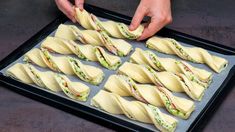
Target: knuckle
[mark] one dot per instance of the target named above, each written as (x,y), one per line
(169,19)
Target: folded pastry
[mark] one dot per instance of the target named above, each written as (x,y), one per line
(135,110)
(202,77)
(74,90)
(50,80)
(157,96)
(194,54)
(174,82)
(86,52)
(116,46)
(63,46)
(109,61)
(114,29)
(64,64)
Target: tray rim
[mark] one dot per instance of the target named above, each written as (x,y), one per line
(54,100)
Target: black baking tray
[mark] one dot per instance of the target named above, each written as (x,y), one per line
(97,116)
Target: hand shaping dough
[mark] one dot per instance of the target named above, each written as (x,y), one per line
(116,46)
(194,54)
(200,76)
(174,82)
(114,29)
(135,110)
(87,52)
(50,80)
(66,65)
(157,96)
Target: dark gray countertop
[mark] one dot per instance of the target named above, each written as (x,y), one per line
(19,20)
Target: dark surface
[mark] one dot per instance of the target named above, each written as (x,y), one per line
(19,20)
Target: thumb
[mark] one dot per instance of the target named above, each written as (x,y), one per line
(79,4)
(138,17)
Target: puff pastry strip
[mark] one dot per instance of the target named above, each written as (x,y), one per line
(116,46)
(85,52)
(194,54)
(114,29)
(55,82)
(157,96)
(174,82)
(66,65)
(147,57)
(135,110)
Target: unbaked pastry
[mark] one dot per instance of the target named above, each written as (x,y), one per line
(85,52)
(135,110)
(116,46)
(65,64)
(174,82)
(149,94)
(194,54)
(147,57)
(50,80)
(114,29)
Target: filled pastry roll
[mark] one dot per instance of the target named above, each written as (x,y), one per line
(194,54)
(66,65)
(109,61)
(171,81)
(66,47)
(116,46)
(114,29)
(135,110)
(202,77)
(157,96)
(74,90)
(50,80)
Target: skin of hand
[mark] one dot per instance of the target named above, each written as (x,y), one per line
(68,8)
(158,10)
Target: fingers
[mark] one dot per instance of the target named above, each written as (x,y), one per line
(79,4)
(138,17)
(154,26)
(67,8)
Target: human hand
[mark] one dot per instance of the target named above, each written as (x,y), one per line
(68,8)
(158,10)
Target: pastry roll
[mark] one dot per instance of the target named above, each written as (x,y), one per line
(194,54)
(109,61)
(50,80)
(66,65)
(116,46)
(174,82)
(135,110)
(157,96)
(202,77)
(86,52)
(66,47)
(114,29)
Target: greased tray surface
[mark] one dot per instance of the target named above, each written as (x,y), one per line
(183,125)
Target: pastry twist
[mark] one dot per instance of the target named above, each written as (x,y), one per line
(157,96)
(200,76)
(194,54)
(174,82)
(135,110)
(116,46)
(66,65)
(55,82)
(114,29)
(85,52)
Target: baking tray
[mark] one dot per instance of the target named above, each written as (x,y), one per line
(221,82)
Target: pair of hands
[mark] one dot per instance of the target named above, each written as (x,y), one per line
(158,10)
